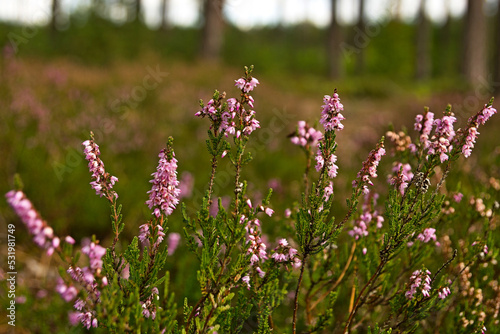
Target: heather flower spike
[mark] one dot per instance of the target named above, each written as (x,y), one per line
(102,182)
(370,167)
(164,194)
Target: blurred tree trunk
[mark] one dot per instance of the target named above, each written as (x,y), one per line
(444,43)
(138,11)
(333,44)
(55,14)
(213,29)
(423,39)
(163,14)
(474,60)
(497,52)
(360,25)
(396,10)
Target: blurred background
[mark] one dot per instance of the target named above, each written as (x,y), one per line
(133,71)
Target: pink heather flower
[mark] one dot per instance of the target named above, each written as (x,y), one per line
(368,216)
(419,281)
(269,211)
(470,140)
(173,242)
(428,235)
(43,235)
(246,280)
(484,115)
(73,318)
(424,124)
(87,319)
(471,131)
(260,272)
(102,182)
(458,197)
(69,240)
(284,253)
(288,213)
(331,114)
(441,141)
(68,293)
(444,292)
(306,135)
(95,254)
(331,167)
(369,168)
(328,191)
(148,307)
(164,194)
(186,184)
(402,178)
(256,246)
(144,235)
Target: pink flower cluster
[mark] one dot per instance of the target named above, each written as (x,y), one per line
(427,235)
(86,277)
(148,307)
(443,137)
(331,167)
(331,114)
(444,292)
(306,135)
(284,253)
(402,177)
(423,124)
(102,182)
(369,168)
(368,216)
(164,194)
(146,234)
(225,117)
(43,235)
(471,131)
(419,280)
(256,246)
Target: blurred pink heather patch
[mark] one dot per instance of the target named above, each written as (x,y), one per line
(43,234)
(306,135)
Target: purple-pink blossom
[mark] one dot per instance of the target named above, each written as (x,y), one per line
(402,177)
(43,235)
(368,216)
(444,292)
(331,115)
(102,182)
(284,253)
(369,168)
(164,194)
(420,280)
(306,135)
(173,242)
(427,235)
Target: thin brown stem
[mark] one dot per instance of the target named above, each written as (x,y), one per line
(361,293)
(296,302)
(337,282)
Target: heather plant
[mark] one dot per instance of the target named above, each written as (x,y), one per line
(408,252)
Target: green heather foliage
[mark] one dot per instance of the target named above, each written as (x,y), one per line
(409,253)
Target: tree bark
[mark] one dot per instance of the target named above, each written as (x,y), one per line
(213,30)
(163,15)
(334,40)
(423,63)
(474,59)
(361,27)
(55,15)
(138,10)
